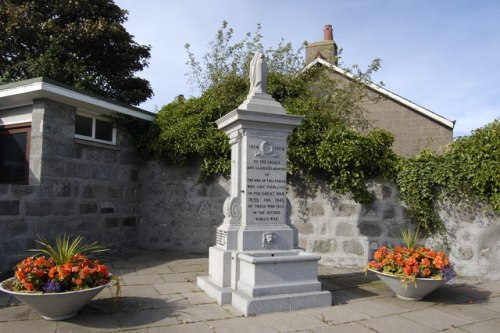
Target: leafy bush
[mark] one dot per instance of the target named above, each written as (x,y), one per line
(467,171)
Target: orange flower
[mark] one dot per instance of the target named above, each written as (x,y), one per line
(52,272)
(78,282)
(425,262)
(85,272)
(29,286)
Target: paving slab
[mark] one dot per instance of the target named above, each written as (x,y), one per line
(241,324)
(291,321)
(483,327)
(343,328)
(395,323)
(183,328)
(337,314)
(436,319)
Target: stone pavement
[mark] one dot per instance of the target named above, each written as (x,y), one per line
(159,294)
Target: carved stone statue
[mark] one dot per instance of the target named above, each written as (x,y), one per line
(258,74)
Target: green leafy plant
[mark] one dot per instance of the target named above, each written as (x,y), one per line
(411,237)
(466,172)
(66,249)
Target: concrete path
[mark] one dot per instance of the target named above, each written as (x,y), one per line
(159,294)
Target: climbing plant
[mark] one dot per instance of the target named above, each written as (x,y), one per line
(468,171)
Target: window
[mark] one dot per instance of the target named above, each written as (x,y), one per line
(14,153)
(94,129)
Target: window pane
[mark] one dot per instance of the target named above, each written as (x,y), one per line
(103,130)
(13,157)
(83,126)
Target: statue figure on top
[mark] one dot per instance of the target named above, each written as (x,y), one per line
(258,99)
(258,74)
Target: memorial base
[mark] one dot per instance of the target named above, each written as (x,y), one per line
(267,281)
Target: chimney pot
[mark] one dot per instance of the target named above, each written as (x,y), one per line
(328,32)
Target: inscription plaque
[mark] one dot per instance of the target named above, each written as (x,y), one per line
(221,237)
(266,180)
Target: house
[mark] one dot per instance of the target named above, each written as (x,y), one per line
(413,126)
(64,167)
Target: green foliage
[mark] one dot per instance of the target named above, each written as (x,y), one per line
(187,130)
(473,166)
(226,58)
(64,250)
(467,171)
(411,238)
(80,43)
(418,181)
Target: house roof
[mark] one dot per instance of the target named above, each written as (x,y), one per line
(385,92)
(24,92)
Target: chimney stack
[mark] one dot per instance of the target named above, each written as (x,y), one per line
(325,49)
(328,32)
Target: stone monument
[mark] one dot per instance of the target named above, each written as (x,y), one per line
(254,265)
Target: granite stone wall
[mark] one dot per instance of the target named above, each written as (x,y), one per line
(344,232)
(76,187)
(177,214)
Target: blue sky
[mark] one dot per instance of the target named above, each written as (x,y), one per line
(442,55)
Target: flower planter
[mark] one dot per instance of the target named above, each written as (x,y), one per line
(411,291)
(56,306)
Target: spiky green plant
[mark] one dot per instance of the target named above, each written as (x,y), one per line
(411,237)
(65,248)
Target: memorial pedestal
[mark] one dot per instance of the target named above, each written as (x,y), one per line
(254,265)
(268,281)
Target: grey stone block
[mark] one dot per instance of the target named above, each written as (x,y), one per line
(4,189)
(304,228)
(316,209)
(466,253)
(370,229)
(134,175)
(61,189)
(88,208)
(114,191)
(345,229)
(38,208)
(22,190)
(10,207)
(111,222)
(64,208)
(389,213)
(77,170)
(129,221)
(353,247)
(386,192)
(324,246)
(93,191)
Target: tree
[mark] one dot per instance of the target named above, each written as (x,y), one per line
(327,146)
(80,43)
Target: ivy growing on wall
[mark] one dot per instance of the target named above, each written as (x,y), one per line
(468,171)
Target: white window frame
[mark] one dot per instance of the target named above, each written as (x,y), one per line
(93,138)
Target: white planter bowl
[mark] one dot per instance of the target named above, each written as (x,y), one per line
(56,306)
(413,291)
